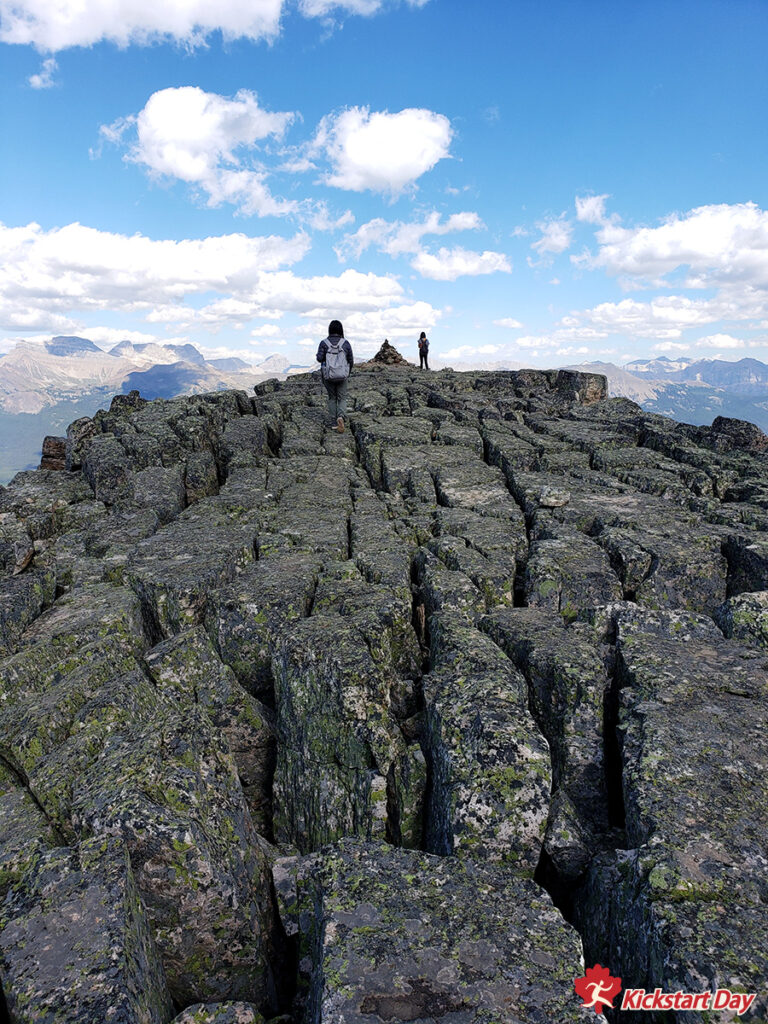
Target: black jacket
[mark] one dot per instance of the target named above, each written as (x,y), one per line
(347,348)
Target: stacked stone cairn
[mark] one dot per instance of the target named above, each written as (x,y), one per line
(410,723)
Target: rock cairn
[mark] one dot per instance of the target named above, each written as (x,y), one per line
(408,723)
(389,356)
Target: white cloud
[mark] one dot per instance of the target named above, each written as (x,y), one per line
(15,316)
(397,237)
(379,151)
(537,342)
(671,346)
(721,341)
(187,133)
(507,321)
(665,316)
(44,276)
(50,280)
(203,139)
(367,330)
(321,219)
(555,238)
(322,8)
(44,78)
(591,209)
(449,264)
(323,297)
(719,245)
(227,352)
(463,351)
(56,26)
(108,337)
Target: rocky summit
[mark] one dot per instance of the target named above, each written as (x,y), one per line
(413,722)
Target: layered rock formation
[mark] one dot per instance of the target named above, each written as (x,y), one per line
(408,723)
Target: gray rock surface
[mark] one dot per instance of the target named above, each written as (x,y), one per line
(75,943)
(250,668)
(398,935)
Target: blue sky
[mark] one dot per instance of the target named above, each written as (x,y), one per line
(537,182)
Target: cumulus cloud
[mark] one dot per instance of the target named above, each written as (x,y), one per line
(671,346)
(666,316)
(205,139)
(536,342)
(56,26)
(273,294)
(368,329)
(379,151)
(556,234)
(187,133)
(464,351)
(719,245)
(45,275)
(322,8)
(44,78)
(449,264)
(50,280)
(591,209)
(508,321)
(721,341)
(398,237)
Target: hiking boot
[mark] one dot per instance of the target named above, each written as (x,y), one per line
(340,425)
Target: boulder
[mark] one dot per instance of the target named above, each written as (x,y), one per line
(76,945)
(54,453)
(397,935)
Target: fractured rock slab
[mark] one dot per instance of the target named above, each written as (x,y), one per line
(173,570)
(169,790)
(489,764)
(685,905)
(400,935)
(75,943)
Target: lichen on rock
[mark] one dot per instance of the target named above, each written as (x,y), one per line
(251,670)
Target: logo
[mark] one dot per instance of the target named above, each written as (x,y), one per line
(597,988)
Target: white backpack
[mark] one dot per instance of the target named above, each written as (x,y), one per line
(336,365)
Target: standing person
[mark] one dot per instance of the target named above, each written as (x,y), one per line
(423,351)
(336,361)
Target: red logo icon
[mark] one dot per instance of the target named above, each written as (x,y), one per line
(597,988)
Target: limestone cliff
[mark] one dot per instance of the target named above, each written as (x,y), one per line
(383,725)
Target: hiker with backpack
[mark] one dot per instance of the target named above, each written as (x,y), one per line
(336,361)
(423,351)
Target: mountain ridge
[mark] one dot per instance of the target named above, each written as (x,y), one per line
(332,725)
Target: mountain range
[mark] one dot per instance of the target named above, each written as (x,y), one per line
(44,387)
(693,391)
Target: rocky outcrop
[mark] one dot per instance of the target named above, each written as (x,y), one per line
(54,454)
(412,722)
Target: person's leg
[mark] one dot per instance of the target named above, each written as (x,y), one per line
(426,360)
(341,407)
(331,392)
(421,360)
